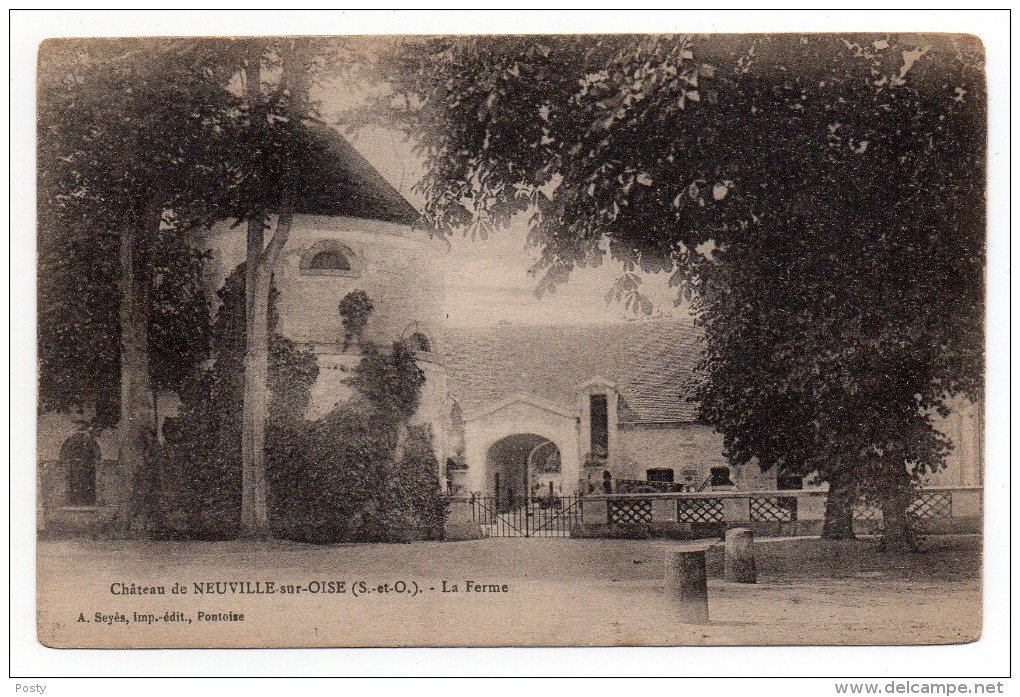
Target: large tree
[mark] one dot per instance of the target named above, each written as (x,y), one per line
(279,154)
(149,138)
(851,295)
(819,198)
(131,144)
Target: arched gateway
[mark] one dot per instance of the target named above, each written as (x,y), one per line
(500,438)
(526,487)
(523,466)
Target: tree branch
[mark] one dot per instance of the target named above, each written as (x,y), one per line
(272,252)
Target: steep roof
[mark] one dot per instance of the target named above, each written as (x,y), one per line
(653,364)
(340,181)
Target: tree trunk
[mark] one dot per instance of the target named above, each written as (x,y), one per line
(259,265)
(839,513)
(258,280)
(898,534)
(137,415)
(254,509)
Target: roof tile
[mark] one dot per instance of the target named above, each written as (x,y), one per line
(336,179)
(654,364)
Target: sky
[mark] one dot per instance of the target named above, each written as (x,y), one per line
(487,281)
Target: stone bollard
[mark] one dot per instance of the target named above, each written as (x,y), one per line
(739,564)
(687,583)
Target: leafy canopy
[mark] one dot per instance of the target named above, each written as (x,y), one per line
(819,198)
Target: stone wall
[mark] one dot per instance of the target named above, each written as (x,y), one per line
(400,270)
(690,450)
(53,512)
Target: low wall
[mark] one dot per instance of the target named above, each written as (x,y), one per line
(460,522)
(767,513)
(55,515)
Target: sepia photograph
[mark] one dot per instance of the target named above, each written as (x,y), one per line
(510,340)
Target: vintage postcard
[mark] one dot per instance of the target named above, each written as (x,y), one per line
(511,340)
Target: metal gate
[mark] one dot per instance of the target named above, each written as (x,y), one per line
(536,516)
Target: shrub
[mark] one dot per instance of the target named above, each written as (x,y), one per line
(199,462)
(359,474)
(346,484)
(410,505)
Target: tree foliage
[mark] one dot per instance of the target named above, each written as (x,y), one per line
(128,122)
(124,125)
(819,198)
(78,326)
(200,465)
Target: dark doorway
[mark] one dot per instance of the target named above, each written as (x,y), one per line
(80,454)
(518,466)
(599,423)
(660,474)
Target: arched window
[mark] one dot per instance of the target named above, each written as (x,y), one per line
(80,454)
(332,260)
(419,342)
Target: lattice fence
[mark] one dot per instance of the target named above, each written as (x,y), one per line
(773,509)
(630,511)
(699,510)
(867,512)
(932,504)
(927,505)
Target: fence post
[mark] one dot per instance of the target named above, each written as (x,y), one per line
(739,563)
(687,583)
(737,509)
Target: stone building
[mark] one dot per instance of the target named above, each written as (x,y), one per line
(604,398)
(512,408)
(534,406)
(352,231)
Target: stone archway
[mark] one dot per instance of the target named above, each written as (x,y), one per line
(520,466)
(519,415)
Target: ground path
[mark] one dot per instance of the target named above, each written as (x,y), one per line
(560,591)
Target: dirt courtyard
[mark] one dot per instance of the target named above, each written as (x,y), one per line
(524,592)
